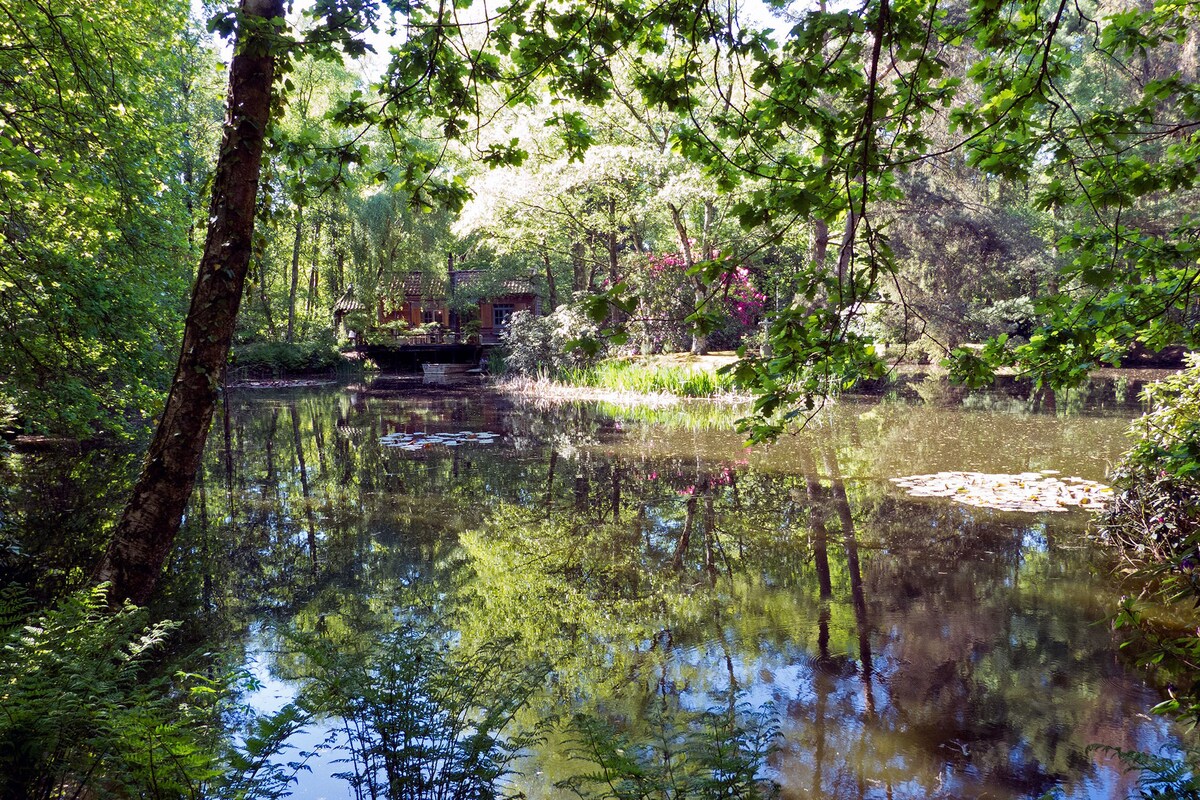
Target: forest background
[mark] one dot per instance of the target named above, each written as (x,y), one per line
(1013,174)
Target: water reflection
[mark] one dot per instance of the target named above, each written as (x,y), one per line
(903,647)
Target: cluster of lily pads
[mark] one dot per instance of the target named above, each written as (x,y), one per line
(1026,491)
(425,441)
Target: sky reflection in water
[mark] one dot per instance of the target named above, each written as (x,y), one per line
(910,648)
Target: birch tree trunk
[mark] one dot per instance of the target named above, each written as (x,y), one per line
(146,531)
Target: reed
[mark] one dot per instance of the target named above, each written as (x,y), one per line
(681,380)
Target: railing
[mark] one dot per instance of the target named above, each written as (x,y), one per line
(489,335)
(432,337)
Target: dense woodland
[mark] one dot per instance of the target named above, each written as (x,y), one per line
(827,189)
(915,173)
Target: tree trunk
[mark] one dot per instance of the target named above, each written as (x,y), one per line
(616,491)
(260,261)
(551,284)
(700,338)
(314,279)
(291,328)
(614,266)
(581,282)
(699,344)
(340,274)
(685,538)
(304,491)
(143,536)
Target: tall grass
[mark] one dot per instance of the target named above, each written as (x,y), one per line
(682,380)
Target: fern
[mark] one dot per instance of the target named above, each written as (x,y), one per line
(78,713)
(83,712)
(15,606)
(1160,777)
(718,753)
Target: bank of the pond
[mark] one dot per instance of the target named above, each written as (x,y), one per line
(545,391)
(666,380)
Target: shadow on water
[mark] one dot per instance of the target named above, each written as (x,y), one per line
(670,588)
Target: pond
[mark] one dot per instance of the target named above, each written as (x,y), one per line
(638,590)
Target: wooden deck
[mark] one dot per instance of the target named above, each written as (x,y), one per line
(409,357)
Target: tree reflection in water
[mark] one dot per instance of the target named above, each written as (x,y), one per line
(909,648)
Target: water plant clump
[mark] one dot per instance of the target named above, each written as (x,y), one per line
(413,442)
(1027,491)
(683,380)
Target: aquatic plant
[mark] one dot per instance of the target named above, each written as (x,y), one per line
(683,380)
(1027,491)
(419,719)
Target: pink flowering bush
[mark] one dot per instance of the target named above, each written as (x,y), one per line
(667,297)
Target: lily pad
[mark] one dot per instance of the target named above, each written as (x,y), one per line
(413,442)
(1031,492)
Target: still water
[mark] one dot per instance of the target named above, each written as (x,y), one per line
(638,584)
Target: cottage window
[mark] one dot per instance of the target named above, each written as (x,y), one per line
(501,314)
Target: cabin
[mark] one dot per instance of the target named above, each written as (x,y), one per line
(428,306)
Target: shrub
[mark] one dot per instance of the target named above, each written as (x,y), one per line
(542,345)
(280,358)
(1156,512)
(666,314)
(1155,521)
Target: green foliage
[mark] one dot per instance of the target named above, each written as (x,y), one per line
(682,755)
(814,354)
(252,769)
(1157,510)
(1160,777)
(87,711)
(1174,656)
(83,712)
(93,210)
(648,377)
(281,358)
(1155,522)
(421,719)
(8,419)
(536,345)
(1168,437)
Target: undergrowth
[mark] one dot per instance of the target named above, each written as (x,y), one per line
(647,378)
(282,358)
(87,710)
